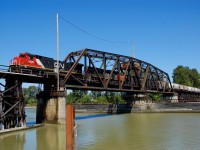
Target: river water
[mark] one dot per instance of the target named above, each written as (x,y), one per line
(136,131)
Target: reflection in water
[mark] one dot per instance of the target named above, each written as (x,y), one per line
(150,131)
(140,131)
(51,137)
(48,137)
(10,141)
(90,116)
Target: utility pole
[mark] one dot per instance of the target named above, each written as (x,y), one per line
(132,44)
(57,50)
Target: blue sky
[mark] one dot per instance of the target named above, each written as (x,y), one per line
(165,33)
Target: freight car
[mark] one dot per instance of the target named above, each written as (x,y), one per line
(36,64)
(179,87)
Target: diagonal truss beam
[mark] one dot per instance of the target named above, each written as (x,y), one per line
(73,66)
(13,106)
(95,69)
(145,78)
(125,74)
(111,74)
(107,72)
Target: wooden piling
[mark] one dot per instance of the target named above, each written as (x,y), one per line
(69,126)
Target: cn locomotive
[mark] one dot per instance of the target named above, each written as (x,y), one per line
(37,64)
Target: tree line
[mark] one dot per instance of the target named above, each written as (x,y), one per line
(95,97)
(86,97)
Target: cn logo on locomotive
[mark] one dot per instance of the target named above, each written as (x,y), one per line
(62,66)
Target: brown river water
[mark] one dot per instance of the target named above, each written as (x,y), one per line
(136,131)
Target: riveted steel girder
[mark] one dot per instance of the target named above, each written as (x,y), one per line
(113,72)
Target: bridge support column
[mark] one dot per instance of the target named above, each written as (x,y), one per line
(1,112)
(12,112)
(134,98)
(51,107)
(55,108)
(173,98)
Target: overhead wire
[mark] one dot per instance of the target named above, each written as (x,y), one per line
(89,34)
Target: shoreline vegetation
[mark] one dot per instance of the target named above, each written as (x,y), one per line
(90,97)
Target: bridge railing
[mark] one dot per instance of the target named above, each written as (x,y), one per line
(4,68)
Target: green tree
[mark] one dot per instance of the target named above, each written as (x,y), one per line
(86,99)
(194,77)
(114,97)
(95,94)
(186,76)
(181,75)
(76,96)
(155,97)
(94,97)
(101,100)
(30,94)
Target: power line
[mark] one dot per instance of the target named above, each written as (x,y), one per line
(87,33)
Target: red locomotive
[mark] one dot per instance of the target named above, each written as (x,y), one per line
(37,63)
(27,60)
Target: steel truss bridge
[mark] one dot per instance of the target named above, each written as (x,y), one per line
(111,72)
(90,70)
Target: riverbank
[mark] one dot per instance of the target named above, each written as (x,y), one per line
(139,107)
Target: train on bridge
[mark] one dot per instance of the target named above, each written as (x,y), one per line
(41,64)
(38,65)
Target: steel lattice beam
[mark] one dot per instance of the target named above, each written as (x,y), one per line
(113,72)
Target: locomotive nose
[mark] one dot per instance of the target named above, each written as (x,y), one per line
(13,61)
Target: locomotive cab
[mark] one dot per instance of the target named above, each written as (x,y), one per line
(24,59)
(37,64)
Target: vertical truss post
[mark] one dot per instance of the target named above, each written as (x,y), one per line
(119,73)
(85,69)
(145,78)
(131,73)
(104,70)
(158,80)
(127,66)
(1,111)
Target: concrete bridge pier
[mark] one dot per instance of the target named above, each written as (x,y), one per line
(133,98)
(173,98)
(51,106)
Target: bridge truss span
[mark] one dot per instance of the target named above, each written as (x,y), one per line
(97,70)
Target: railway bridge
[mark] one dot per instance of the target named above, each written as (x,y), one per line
(86,69)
